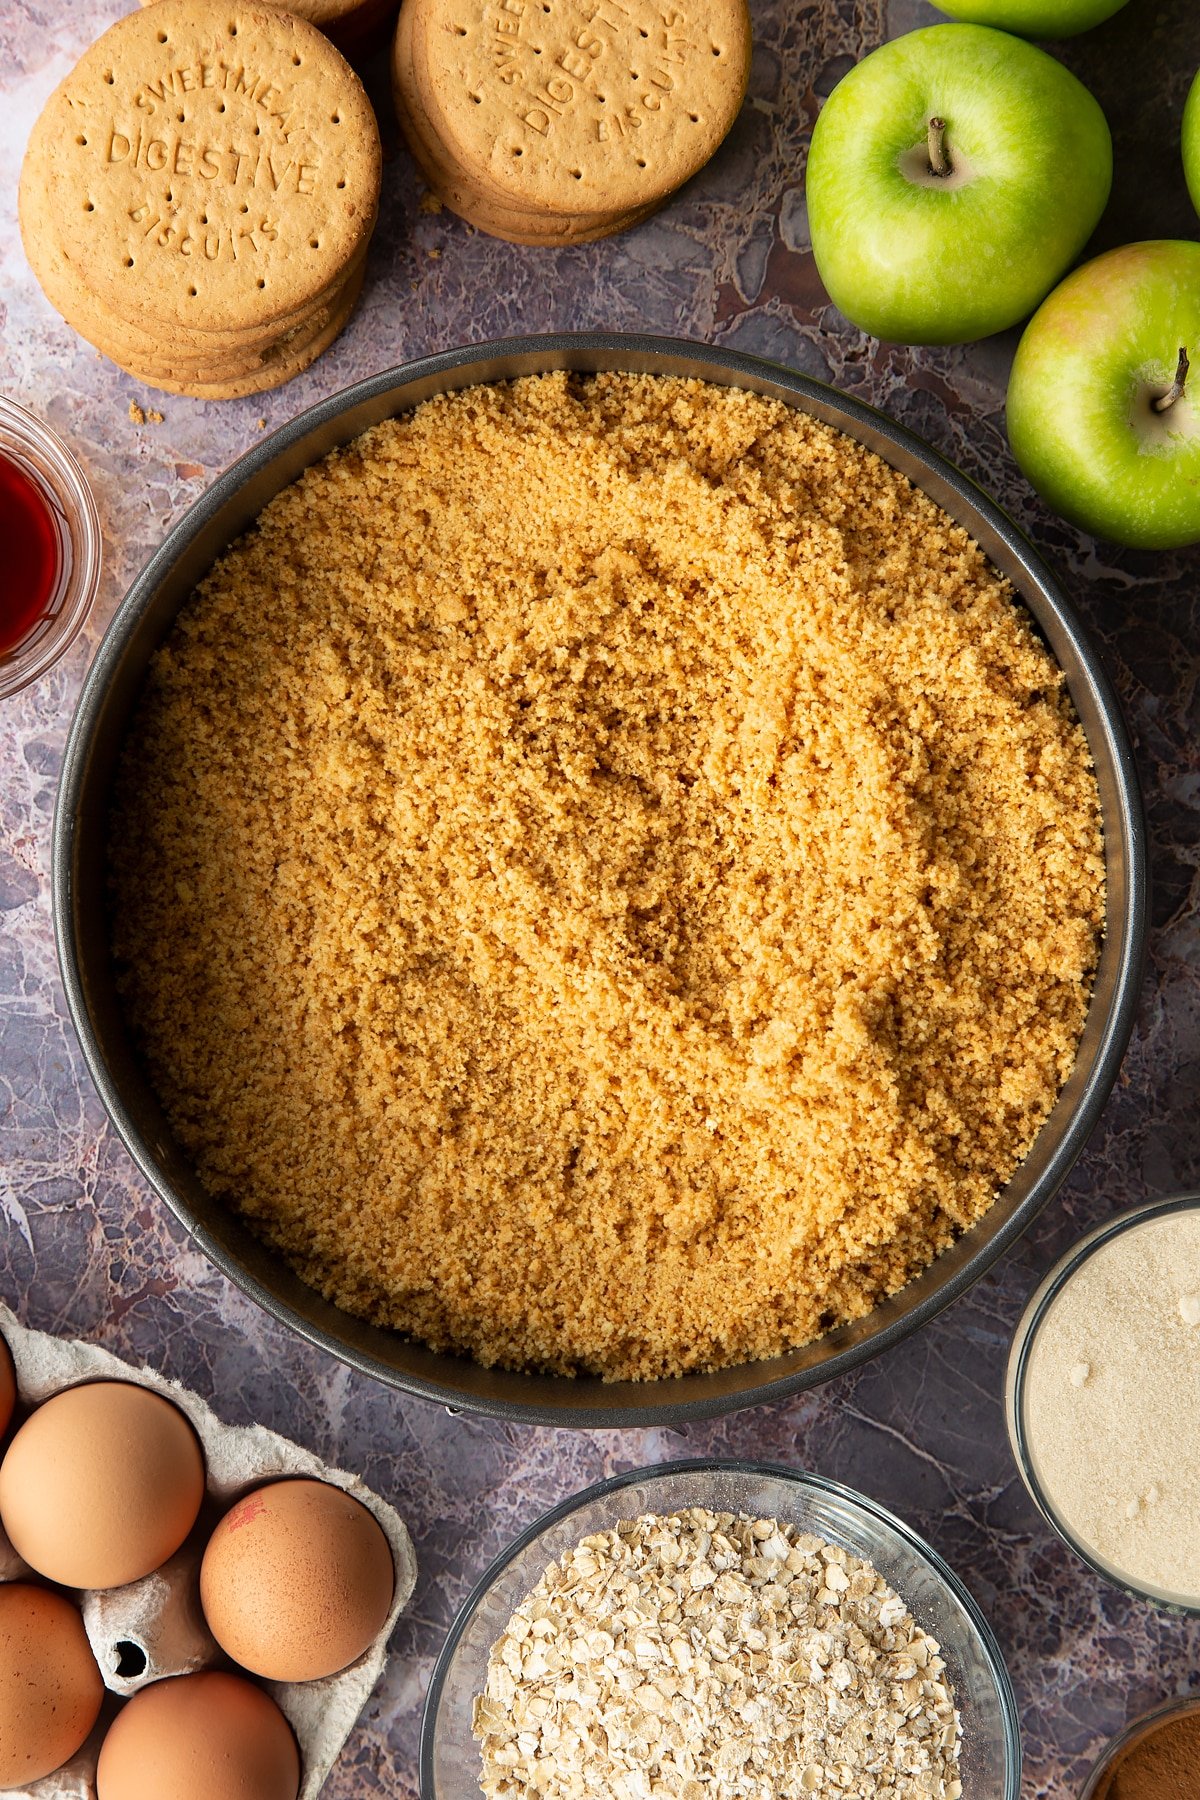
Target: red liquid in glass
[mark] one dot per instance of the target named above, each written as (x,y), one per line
(28,555)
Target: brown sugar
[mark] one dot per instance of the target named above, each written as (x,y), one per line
(606,877)
(1163,1765)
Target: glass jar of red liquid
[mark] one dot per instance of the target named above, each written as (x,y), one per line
(49,547)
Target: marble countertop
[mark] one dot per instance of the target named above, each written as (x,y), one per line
(87,1250)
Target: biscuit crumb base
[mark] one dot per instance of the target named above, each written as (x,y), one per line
(606,878)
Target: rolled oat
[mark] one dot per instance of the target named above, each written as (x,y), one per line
(715,1656)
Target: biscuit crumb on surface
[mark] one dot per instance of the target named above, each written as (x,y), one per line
(136,415)
(606,877)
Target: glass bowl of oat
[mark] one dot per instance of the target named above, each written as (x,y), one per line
(713,1628)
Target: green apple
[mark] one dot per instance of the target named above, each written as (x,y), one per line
(1034,18)
(954,175)
(1104,397)
(1191,142)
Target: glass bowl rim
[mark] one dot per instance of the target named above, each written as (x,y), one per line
(1032,1317)
(724,1465)
(1181,1705)
(86,539)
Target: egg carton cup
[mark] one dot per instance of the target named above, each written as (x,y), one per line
(155,1627)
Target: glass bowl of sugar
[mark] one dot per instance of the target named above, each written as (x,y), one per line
(1103,1400)
(1156,1755)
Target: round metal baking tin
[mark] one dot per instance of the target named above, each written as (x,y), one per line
(1036,1311)
(80,910)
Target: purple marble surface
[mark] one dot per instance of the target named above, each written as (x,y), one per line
(86,1250)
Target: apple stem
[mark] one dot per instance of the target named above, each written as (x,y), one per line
(939,162)
(1175,391)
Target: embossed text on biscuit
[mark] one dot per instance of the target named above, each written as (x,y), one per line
(201,237)
(227,164)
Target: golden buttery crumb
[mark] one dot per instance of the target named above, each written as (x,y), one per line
(606,877)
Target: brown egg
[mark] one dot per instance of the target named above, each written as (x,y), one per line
(297,1580)
(8,1386)
(50,1687)
(199,1737)
(101,1484)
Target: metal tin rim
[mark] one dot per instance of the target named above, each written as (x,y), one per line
(717,1465)
(1036,1309)
(466,366)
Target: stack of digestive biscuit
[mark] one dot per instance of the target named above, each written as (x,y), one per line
(198,195)
(355,26)
(560,121)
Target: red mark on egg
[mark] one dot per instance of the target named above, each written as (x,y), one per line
(251,1508)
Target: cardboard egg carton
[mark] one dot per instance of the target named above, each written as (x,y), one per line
(155,1627)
